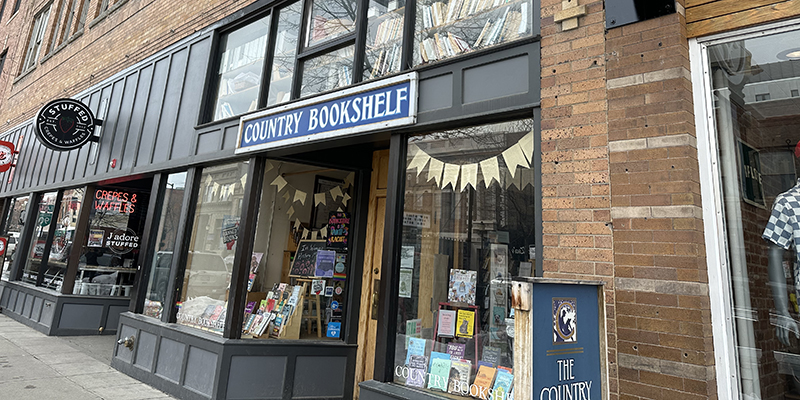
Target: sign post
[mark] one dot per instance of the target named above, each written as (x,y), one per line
(560,338)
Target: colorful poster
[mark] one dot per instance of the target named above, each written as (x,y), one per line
(96,237)
(462,286)
(324,264)
(338,229)
(318,286)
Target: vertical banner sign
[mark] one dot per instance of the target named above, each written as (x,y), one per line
(568,330)
(386,103)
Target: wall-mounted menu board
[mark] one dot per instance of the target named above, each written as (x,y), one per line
(305,257)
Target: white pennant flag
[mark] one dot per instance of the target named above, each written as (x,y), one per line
(319,198)
(290,212)
(514,156)
(419,161)
(324,231)
(345,198)
(243,180)
(339,209)
(286,197)
(305,233)
(491,170)
(450,175)
(300,196)
(526,143)
(314,235)
(279,182)
(268,167)
(336,192)
(435,171)
(297,223)
(348,180)
(469,176)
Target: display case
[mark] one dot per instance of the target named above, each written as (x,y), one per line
(384,49)
(449,28)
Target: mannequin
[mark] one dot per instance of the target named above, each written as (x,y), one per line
(781,232)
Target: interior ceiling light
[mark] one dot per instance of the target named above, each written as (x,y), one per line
(790,54)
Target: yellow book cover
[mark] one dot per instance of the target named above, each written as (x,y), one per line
(465,323)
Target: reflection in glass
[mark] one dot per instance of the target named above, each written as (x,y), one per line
(34,264)
(215,232)
(165,245)
(757,123)
(468,229)
(330,19)
(282,272)
(384,38)
(107,266)
(240,67)
(14,225)
(448,28)
(280,86)
(328,71)
(64,236)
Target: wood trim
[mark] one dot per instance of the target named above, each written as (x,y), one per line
(741,19)
(723,7)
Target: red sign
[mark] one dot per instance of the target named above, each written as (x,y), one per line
(111,200)
(6,155)
(3,245)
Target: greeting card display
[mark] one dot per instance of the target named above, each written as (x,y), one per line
(462,286)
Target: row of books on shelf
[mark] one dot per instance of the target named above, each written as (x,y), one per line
(508,27)
(388,61)
(239,83)
(450,372)
(271,315)
(443,12)
(388,30)
(240,56)
(212,318)
(442,45)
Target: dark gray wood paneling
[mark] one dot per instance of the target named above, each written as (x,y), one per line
(190,100)
(108,132)
(128,154)
(152,113)
(208,141)
(122,126)
(169,111)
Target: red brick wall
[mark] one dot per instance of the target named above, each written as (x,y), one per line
(621,195)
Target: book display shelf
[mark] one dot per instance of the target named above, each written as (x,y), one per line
(448,28)
(459,329)
(384,49)
(240,72)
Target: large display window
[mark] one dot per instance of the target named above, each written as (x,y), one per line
(13,229)
(215,234)
(755,105)
(468,229)
(34,264)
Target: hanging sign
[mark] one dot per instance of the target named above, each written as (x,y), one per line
(65,124)
(378,105)
(6,155)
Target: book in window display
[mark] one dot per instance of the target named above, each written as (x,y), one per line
(462,286)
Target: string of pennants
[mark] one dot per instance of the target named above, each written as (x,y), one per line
(443,174)
(292,195)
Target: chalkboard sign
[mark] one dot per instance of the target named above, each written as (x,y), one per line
(305,258)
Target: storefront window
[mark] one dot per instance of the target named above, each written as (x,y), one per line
(330,19)
(214,236)
(384,38)
(14,225)
(468,228)
(328,71)
(240,65)
(34,264)
(450,28)
(299,268)
(280,86)
(165,245)
(756,109)
(107,266)
(68,210)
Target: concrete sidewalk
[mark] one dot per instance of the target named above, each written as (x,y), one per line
(39,367)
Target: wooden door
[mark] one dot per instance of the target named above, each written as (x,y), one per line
(373,251)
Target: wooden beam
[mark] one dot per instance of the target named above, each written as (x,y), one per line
(743,19)
(724,7)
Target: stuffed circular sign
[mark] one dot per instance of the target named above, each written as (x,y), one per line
(64,124)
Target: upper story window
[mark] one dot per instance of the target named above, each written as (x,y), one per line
(35,43)
(329,20)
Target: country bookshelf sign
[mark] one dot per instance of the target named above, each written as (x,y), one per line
(387,103)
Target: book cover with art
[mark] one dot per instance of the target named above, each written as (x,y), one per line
(439,374)
(406,282)
(418,365)
(484,380)
(491,354)
(435,355)
(416,347)
(456,350)
(323,267)
(447,323)
(465,323)
(462,286)
(459,377)
(502,384)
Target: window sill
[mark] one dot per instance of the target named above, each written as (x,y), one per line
(12,17)
(23,74)
(105,13)
(61,46)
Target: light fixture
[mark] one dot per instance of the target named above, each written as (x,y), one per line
(789,54)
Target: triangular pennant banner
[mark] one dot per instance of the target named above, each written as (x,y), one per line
(450,175)
(290,212)
(526,143)
(286,197)
(314,235)
(243,180)
(324,231)
(514,156)
(419,161)
(305,233)
(491,170)
(208,180)
(345,198)
(435,171)
(349,179)
(268,167)
(319,198)
(279,182)
(469,176)
(336,192)
(300,196)
(297,223)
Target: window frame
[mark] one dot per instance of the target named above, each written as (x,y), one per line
(36,37)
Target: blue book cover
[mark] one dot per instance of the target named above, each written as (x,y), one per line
(502,384)
(416,347)
(437,355)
